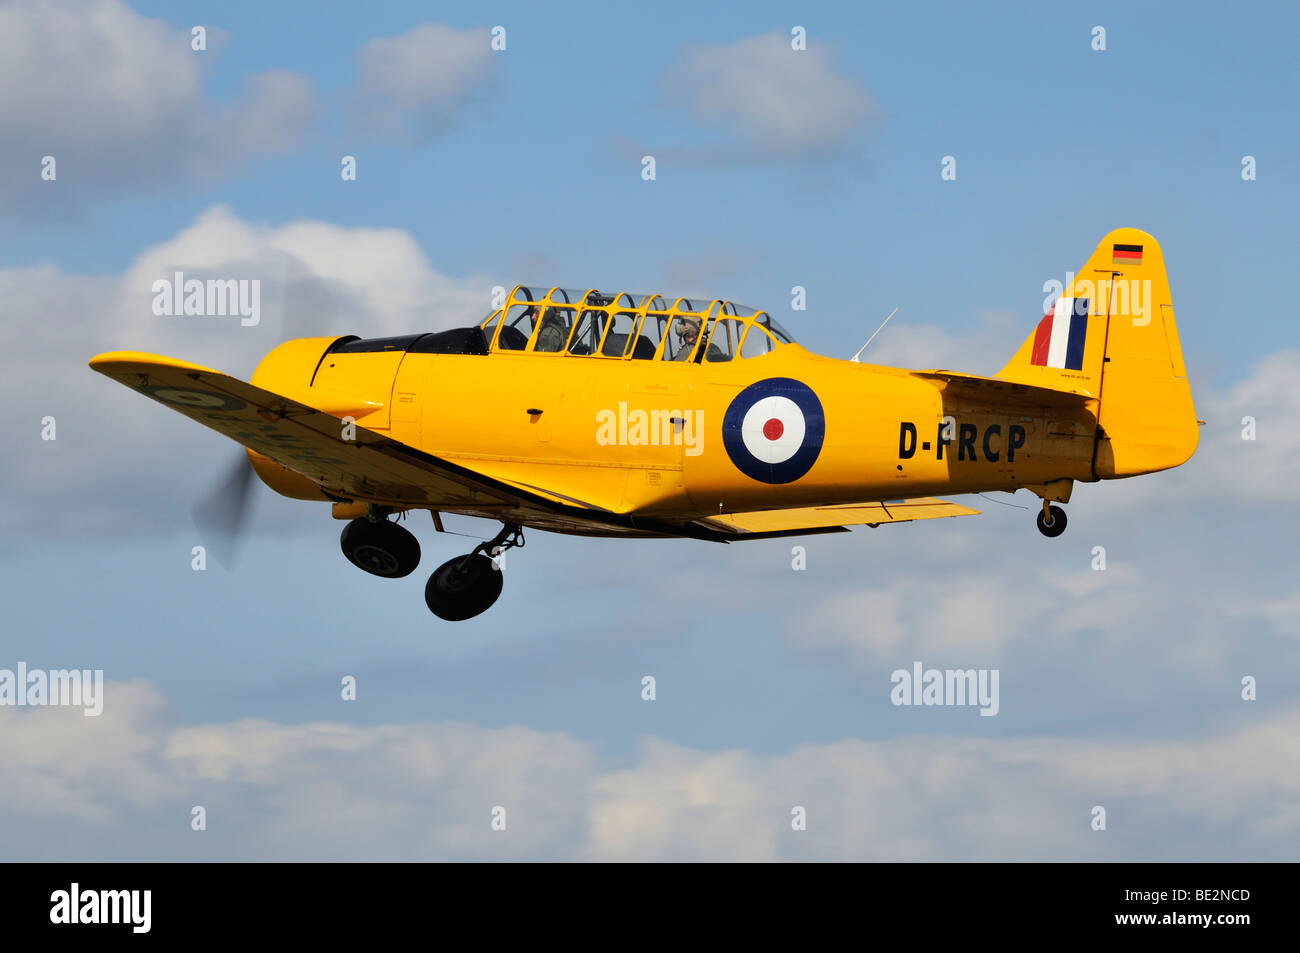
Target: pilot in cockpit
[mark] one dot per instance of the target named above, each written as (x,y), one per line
(554,332)
(688,332)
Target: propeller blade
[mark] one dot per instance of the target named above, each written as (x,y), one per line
(222,513)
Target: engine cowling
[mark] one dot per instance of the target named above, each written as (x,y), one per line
(288,370)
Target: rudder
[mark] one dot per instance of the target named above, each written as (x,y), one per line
(1148,421)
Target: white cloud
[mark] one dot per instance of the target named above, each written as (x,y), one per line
(381,275)
(982,348)
(117,100)
(1264,469)
(959,617)
(122,785)
(771,100)
(422,83)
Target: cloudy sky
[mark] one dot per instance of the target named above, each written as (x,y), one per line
(819,168)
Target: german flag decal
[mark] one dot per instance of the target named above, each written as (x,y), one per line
(1126,254)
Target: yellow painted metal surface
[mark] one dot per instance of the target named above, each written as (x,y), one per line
(591,412)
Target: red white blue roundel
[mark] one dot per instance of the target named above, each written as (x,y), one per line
(773,430)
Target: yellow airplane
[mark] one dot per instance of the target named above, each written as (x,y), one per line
(635,415)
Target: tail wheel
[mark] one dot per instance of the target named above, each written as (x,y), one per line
(1051,521)
(380,547)
(463,587)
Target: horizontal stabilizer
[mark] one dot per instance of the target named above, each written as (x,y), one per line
(995,390)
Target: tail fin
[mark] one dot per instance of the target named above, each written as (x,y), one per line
(1112,336)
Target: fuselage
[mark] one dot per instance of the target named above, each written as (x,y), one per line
(647,436)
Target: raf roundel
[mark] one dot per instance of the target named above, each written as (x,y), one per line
(773,430)
(195,399)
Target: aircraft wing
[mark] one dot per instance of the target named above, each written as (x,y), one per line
(831,519)
(370,467)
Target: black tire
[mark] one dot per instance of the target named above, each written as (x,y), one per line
(1054,526)
(454,593)
(381,548)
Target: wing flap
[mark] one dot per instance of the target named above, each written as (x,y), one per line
(822,519)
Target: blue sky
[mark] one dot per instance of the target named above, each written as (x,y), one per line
(525,165)
(1055,143)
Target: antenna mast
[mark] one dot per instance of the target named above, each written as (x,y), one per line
(855,357)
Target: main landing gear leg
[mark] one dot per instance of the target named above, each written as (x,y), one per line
(463,587)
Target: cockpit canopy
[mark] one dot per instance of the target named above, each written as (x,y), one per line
(629,326)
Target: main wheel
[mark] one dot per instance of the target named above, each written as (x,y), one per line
(1054,525)
(455,592)
(380,548)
